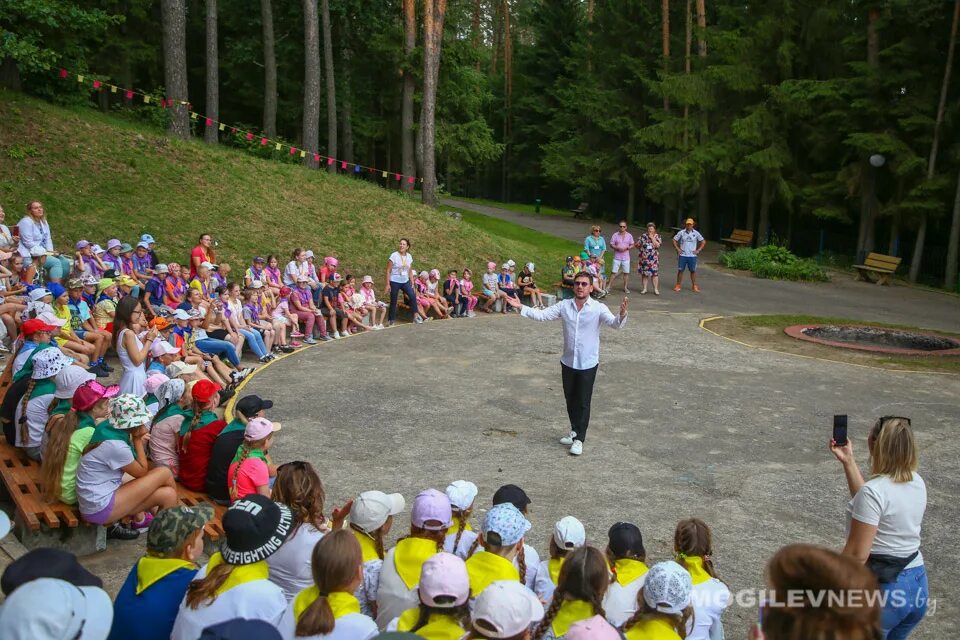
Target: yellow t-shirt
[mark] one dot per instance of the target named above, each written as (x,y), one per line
(66,331)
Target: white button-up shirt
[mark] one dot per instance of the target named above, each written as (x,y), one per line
(581,329)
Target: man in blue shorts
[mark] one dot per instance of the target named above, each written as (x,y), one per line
(689,243)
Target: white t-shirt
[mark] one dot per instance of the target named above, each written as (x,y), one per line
(99,474)
(896,509)
(254,600)
(688,241)
(490,281)
(620,601)
(532,560)
(353,626)
(400,267)
(290,564)
(466,541)
(543,585)
(709,599)
(37,416)
(393,596)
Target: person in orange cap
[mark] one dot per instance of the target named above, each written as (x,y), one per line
(689,243)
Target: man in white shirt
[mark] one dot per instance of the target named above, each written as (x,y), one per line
(689,243)
(582,317)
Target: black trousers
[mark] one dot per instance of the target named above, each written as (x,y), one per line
(395,289)
(578,391)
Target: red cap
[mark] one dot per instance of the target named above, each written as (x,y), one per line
(204,390)
(284,291)
(33,325)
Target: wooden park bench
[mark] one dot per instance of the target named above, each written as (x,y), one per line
(40,523)
(739,238)
(877,268)
(581,210)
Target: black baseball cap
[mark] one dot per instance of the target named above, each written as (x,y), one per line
(255,527)
(241,629)
(513,494)
(46,563)
(110,274)
(625,541)
(250,406)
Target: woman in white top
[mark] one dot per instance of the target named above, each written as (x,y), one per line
(295,268)
(34,233)
(693,547)
(327,608)
(234,582)
(399,277)
(298,486)
(6,238)
(885,515)
(131,351)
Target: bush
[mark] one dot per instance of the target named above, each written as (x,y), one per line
(774,263)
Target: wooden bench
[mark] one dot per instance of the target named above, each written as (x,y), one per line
(40,523)
(877,268)
(581,210)
(739,238)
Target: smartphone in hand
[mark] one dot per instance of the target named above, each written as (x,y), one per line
(840,430)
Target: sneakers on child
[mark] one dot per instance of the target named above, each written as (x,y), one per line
(576,448)
(418,319)
(296,334)
(325,338)
(119,531)
(310,341)
(140,525)
(568,439)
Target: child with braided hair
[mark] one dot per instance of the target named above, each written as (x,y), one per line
(568,534)
(198,434)
(501,538)
(693,546)
(461,536)
(251,469)
(444,592)
(664,611)
(371,517)
(527,559)
(582,583)
(38,399)
(627,558)
(430,517)
(328,609)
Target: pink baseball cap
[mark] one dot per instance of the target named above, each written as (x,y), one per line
(259,428)
(595,628)
(92,392)
(444,582)
(491,265)
(431,511)
(331,261)
(154,381)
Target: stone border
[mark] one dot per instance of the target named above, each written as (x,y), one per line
(797,331)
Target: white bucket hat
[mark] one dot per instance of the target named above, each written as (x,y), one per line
(48,363)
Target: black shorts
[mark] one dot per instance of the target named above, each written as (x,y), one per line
(218,334)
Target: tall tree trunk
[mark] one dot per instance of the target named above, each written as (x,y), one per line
(346,97)
(665,28)
(631,198)
(688,45)
(331,84)
(10,74)
(752,204)
(701,28)
(868,177)
(935,145)
(311,81)
(893,246)
(211,134)
(408,161)
(475,35)
(174,17)
(590,6)
(433,14)
(953,245)
(766,195)
(703,200)
(269,71)
(497,38)
(507,97)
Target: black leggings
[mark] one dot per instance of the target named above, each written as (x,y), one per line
(395,289)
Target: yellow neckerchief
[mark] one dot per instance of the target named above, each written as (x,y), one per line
(151,570)
(368,548)
(554,565)
(457,519)
(409,556)
(485,567)
(242,573)
(341,602)
(440,626)
(695,567)
(652,629)
(570,611)
(627,570)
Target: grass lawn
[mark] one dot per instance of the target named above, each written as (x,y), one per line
(766,332)
(100,176)
(518,207)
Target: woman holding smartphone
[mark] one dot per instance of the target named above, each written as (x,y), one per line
(885,515)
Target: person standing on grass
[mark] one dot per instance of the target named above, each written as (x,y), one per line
(582,317)
(622,241)
(689,243)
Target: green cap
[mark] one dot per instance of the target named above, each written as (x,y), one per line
(170,527)
(584,255)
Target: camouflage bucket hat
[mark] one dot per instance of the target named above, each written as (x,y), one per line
(170,527)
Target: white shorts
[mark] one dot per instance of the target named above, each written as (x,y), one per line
(619,265)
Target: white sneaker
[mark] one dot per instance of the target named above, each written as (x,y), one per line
(417,320)
(576,448)
(568,439)
(471,314)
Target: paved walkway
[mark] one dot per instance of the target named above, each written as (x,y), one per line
(725,293)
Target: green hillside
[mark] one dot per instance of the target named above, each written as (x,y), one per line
(101,177)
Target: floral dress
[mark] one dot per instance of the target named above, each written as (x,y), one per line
(649,255)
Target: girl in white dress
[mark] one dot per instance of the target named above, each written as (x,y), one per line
(131,350)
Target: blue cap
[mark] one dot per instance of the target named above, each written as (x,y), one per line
(56,289)
(506,521)
(147,238)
